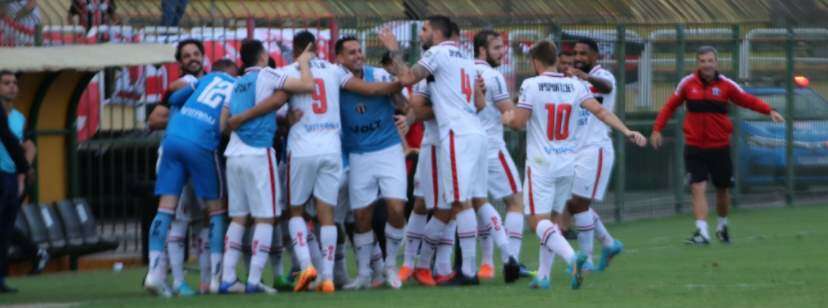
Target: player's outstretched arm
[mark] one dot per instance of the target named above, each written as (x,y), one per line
(179,97)
(305,84)
(271,103)
(602,85)
(613,121)
(159,117)
(407,76)
(400,102)
(225,114)
(479,93)
(421,109)
(516,118)
(372,89)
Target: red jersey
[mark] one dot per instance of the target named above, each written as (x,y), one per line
(707,124)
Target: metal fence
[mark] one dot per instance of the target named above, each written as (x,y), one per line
(775,164)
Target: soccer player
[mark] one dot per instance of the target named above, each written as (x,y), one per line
(462,152)
(377,162)
(315,157)
(252,181)
(193,135)
(707,130)
(595,156)
(503,180)
(546,105)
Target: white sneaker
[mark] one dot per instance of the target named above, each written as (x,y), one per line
(157,287)
(259,288)
(235,287)
(361,282)
(214,286)
(392,278)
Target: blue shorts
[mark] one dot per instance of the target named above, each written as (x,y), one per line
(183,160)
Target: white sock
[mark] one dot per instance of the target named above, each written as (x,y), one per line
(467,233)
(203,250)
(600,230)
(721,223)
(445,249)
(327,238)
(314,249)
(701,225)
(276,249)
(584,224)
(414,233)
(514,228)
(299,238)
(486,241)
(158,264)
(393,239)
(550,236)
(433,233)
(262,238)
(377,262)
(232,251)
(364,243)
(545,260)
(175,250)
(495,226)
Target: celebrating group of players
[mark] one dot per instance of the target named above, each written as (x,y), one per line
(344,153)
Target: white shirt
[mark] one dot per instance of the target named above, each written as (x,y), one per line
(595,131)
(453,90)
(496,91)
(551,139)
(267,82)
(318,131)
(431,131)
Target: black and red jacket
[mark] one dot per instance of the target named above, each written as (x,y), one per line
(707,124)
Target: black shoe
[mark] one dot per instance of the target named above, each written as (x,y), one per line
(697,239)
(570,234)
(7,289)
(524,271)
(461,279)
(40,261)
(511,270)
(723,235)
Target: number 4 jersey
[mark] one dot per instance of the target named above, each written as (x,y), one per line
(200,110)
(318,131)
(551,133)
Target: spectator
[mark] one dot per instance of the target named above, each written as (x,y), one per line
(18,19)
(173,10)
(90,13)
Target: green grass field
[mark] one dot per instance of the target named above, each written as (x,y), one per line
(778,259)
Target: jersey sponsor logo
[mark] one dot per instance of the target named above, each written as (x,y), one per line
(360,108)
(198,115)
(321,126)
(367,128)
(558,150)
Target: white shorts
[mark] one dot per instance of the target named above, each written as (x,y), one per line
(377,174)
(426,177)
(342,212)
(545,192)
(253,185)
(503,177)
(319,175)
(593,167)
(462,167)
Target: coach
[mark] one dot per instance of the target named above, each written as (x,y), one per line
(707,130)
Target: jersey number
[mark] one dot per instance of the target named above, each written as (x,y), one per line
(557,126)
(465,85)
(320,99)
(216,92)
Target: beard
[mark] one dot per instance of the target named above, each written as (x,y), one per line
(194,68)
(583,66)
(493,62)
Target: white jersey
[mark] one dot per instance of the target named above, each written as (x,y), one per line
(189,79)
(318,131)
(551,139)
(496,91)
(268,80)
(431,131)
(452,92)
(595,131)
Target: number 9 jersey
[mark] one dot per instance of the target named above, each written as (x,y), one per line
(551,132)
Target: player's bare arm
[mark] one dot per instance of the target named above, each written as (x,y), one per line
(421,109)
(610,119)
(479,93)
(602,85)
(516,118)
(225,114)
(372,89)
(305,84)
(407,76)
(271,103)
(159,117)
(400,102)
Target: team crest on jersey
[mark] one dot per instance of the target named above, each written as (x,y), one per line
(360,108)
(716,91)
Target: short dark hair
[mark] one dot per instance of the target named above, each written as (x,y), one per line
(567,52)
(271,63)
(224,64)
(301,40)
(455,29)
(707,49)
(440,23)
(8,72)
(251,50)
(340,43)
(186,42)
(386,58)
(544,51)
(589,42)
(481,39)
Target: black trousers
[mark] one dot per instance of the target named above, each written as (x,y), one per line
(9,206)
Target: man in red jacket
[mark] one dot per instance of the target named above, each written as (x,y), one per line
(707,130)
